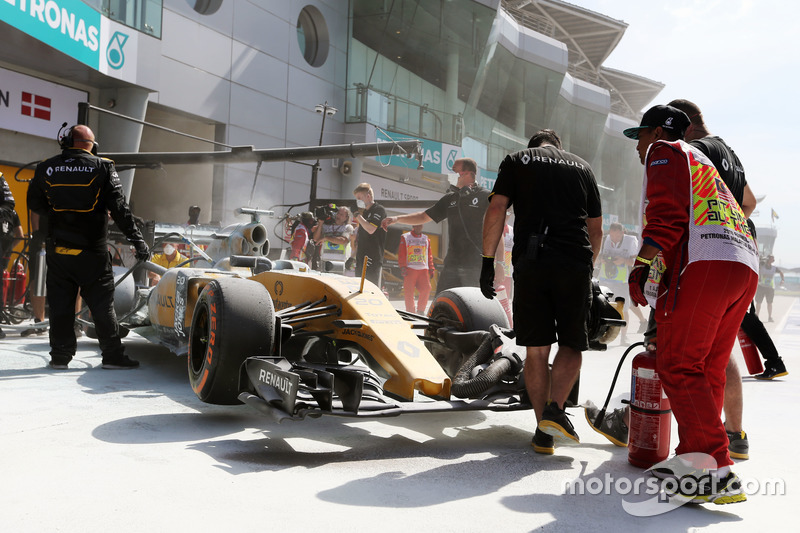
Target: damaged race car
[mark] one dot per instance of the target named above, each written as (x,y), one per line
(293,343)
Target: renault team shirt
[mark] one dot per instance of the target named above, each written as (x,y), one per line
(552,189)
(464,210)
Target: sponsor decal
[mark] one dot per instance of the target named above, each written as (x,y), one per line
(659,162)
(165,300)
(282,383)
(358,333)
(280,304)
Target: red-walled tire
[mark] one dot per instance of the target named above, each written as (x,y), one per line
(233,319)
(469,310)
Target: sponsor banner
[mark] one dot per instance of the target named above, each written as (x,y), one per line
(76,30)
(436,157)
(35,106)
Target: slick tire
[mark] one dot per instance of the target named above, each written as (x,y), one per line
(233,319)
(469,310)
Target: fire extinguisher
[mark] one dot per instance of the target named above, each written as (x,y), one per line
(17,283)
(750,353)
(651,418)
(650,412)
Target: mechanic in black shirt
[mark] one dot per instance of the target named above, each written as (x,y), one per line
(371,236)
(10,227)
(463,206)
(77,190)
(558,232)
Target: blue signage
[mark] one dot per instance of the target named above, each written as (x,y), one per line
(67,25)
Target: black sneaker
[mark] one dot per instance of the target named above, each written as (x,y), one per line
(543,443)
(2,334)
(718,490)
(738,447)
(612,426)
(120,362)
(775,370)
(59,362)
(554,422)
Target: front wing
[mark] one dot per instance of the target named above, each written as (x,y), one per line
(287,390)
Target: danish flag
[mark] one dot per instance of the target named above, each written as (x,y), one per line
(36,106)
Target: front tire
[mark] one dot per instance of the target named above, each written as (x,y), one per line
(233,319)
(466,309)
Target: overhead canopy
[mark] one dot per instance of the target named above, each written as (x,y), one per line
(590,38)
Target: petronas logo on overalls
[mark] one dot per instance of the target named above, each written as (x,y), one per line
(114,53)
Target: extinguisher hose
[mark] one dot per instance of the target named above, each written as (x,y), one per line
(602,414)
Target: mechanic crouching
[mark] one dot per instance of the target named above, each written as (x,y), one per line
(76,190)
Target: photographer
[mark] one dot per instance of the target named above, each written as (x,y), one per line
(332,235)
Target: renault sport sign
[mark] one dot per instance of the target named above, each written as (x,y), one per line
(78,31)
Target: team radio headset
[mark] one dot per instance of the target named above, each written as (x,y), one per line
(68,140)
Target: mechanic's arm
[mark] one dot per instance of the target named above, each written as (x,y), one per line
(36,197)
(368,226)
(748,201)
(120,212)
(595,227)
(412,219)
(19,235)
(493,223)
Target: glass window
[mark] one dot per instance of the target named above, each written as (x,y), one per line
(205,7)
(141,15)
(313,36)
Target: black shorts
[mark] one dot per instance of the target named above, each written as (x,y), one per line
(765,291)
(551,303)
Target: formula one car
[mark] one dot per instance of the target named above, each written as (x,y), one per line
(293,342)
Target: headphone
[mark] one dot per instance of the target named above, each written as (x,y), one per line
(68,140)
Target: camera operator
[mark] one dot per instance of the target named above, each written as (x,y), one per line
(332,234)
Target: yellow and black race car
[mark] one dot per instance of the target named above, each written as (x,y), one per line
(293,342)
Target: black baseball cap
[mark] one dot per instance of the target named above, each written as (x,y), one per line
(668,117)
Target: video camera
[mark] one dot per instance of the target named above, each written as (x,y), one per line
(325,213)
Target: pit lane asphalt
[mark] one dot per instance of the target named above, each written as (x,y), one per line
(88,450)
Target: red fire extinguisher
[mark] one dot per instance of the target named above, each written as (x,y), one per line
(16,282)
(750,352)
(650,420)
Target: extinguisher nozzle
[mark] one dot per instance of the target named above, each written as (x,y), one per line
(600,416)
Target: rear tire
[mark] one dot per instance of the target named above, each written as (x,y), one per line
(467,309)
(233,320)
